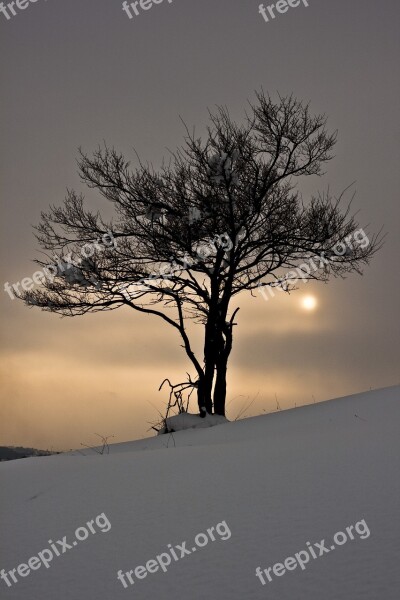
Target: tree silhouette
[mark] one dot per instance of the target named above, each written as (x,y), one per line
(221,217)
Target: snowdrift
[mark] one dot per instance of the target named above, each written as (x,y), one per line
(190,421)
(213,507)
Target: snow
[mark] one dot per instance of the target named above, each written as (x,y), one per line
(190,421)
(278,481)
(220,167)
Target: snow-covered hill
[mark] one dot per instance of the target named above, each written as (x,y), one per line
(201,510)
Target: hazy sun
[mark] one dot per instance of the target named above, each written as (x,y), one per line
(309,302)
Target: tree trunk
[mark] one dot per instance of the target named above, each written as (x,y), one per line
(209,370)
(225,340)
(217,348)
(204,402)
(220,389)
(210,358)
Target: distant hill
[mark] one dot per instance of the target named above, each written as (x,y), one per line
(14,452)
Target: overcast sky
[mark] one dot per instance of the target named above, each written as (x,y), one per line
(78,72)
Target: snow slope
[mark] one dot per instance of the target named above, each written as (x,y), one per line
(277,482)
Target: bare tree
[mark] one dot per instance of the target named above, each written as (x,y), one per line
(221,217)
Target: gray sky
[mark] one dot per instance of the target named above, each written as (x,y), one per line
(78,72)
